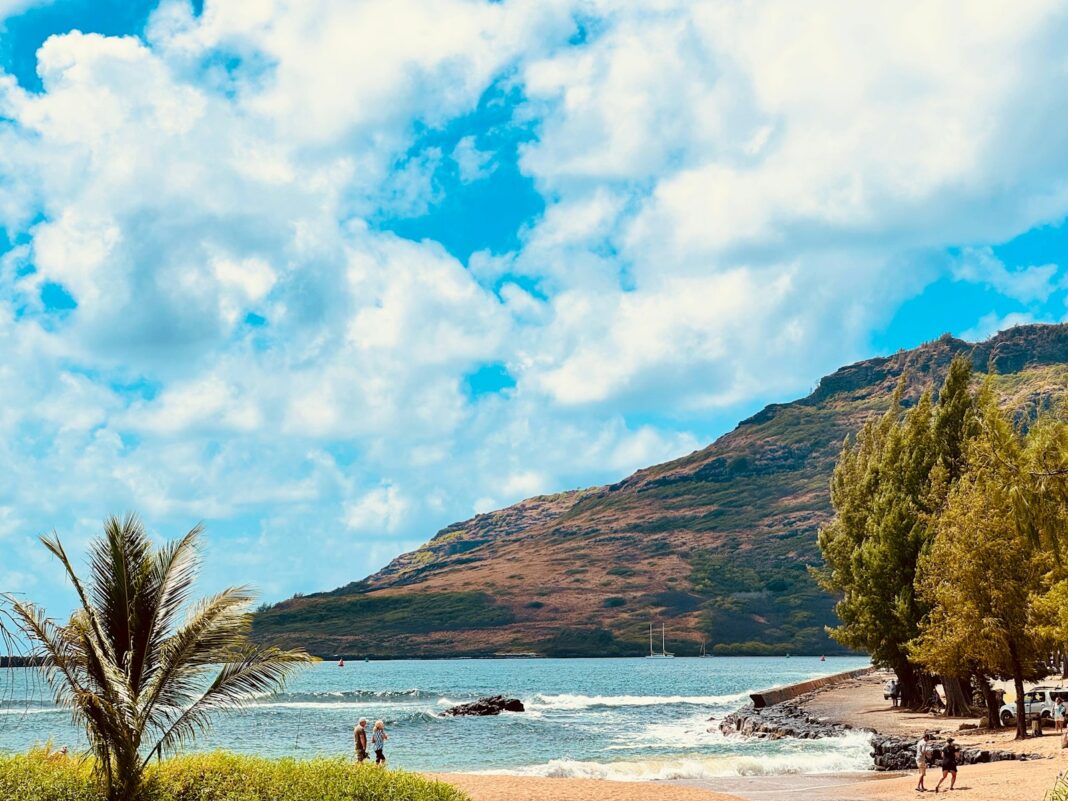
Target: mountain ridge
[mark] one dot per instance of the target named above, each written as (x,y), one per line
(716,542)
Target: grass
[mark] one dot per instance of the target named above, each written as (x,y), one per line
(43,776)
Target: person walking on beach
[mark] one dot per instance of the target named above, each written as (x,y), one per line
(378,742)
(359,734)
(921,760)
(949,764)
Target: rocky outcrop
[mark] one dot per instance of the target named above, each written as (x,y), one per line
(492,705)
(888,752)
(899,753)
(778,721)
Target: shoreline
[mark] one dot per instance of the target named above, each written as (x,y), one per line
(854,704)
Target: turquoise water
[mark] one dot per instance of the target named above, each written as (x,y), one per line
(611,718)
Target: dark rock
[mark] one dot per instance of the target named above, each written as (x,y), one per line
(491,705)
(899,753)
(778,721)
(789,719)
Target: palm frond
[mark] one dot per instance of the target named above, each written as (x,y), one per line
(215,629)
(115,562)
(123,666)
(169,576)
(256,671)
(53,544)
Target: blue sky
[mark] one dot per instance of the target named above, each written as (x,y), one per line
(330,276)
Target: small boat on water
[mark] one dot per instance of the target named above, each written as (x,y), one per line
(663,645)
(704,653)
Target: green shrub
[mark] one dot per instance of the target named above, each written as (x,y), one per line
(613,601)
(39,776)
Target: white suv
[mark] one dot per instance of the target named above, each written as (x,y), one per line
(1038,702)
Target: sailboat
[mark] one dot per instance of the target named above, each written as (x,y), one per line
(704,653)
(663,645)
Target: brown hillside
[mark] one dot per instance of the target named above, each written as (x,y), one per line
(715,544)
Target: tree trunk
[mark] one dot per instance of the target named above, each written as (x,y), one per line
(1064,663)
(1017,683)
(958,696)
(990,699)
(926,683)
(909,692)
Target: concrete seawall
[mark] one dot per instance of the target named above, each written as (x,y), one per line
(777,695)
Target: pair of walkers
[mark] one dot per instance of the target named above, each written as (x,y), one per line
(950,752)
(378,741)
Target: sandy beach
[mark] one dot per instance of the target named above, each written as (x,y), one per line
(528,788)
(858,702)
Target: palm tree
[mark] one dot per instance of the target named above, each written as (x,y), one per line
(141,681)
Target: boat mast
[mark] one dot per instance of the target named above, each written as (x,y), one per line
(663,640)
(650,639)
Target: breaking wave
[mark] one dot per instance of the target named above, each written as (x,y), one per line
(569,701)
(835,755)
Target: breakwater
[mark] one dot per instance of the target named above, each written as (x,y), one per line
(778,695)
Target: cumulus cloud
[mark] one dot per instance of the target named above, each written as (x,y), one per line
(1026,284)
(736,197)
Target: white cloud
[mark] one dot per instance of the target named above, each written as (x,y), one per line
(992,323)
(737,196)
(1026,284)
(473,164)
(380,509)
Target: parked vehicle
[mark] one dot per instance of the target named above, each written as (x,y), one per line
(1037,703)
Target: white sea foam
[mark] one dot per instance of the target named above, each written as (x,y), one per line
(571,701)
(33,711)
(837,755)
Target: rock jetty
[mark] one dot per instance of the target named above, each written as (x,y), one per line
(491,705)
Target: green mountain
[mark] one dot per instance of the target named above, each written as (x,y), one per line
(715,545)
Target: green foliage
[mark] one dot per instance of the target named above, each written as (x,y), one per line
(576,642)
(410,613)
(980,577)
(39,776)
(987,576)
(887,490)
(137,676)
(613,601)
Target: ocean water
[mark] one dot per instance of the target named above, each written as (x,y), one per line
(626,719)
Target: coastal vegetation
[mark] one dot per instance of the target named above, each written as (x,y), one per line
(44,776)
(947,542)
(140,666)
